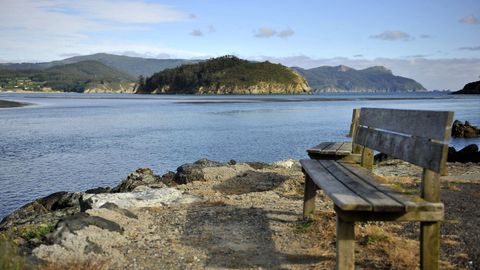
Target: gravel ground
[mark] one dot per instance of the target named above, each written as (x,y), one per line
(250,218)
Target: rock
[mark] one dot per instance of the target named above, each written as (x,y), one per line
(193,171)
(141,177)
(114,207)
(258,165)
(469,153)
(148,198)
(98,190)
(287,164)
(45,210)
(79,221)
(464,130)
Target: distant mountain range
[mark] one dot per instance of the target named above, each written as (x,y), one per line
(83,74)
(226,75)
(134,66)
(343,78)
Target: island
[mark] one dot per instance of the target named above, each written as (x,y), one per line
(225,75)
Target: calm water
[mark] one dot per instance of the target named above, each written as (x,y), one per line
(74,142)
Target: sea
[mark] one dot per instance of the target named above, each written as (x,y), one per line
(74,142)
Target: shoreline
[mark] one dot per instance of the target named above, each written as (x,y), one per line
(193,210)
(12,104)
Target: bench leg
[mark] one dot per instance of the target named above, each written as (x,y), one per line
(309,197)
(345,244)
(429,245)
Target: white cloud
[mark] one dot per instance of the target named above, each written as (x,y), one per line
(286,33)
(470,19)
(392,36)
(265,32)
(196,33)
(432,73)
(45,29)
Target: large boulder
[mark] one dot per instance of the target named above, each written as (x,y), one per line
(47,210)
(149,197)
(464,130)
(469,153)
(194,171)
(140,177)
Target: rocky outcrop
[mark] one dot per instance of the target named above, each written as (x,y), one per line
(469,153)
(464,130)
(46,210)
(470,88)
(146,197)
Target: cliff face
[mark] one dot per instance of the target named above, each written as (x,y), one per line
(226,75)
(470,88)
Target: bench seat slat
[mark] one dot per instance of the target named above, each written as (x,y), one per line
(354,188)
(332,148)
(377,198)
(339,193)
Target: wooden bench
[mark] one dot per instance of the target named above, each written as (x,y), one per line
(418,137)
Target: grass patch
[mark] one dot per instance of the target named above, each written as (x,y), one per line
(304,226)
(9,258)
(38,231)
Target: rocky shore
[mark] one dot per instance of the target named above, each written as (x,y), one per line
(209,214)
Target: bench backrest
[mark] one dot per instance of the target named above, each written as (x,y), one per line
(418,137)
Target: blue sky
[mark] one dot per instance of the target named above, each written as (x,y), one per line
(434,42)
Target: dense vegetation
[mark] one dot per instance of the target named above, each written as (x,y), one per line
(134,66)
(342,78)
(227,72)
(74,77)
(470,88)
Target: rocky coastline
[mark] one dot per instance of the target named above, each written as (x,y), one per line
(209,214)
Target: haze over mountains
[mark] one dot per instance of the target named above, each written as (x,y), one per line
(116,71)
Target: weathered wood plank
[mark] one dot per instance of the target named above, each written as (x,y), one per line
(363,216)
(309,197)
(416,150)
(370,177)
(346,147)
(339,193)
(427,124)
(429,245)
(354,123)
(331,148)
(345,244)
(379,200)
(367,158)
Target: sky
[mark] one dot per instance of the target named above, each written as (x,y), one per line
(436,42)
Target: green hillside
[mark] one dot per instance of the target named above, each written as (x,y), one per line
(134,66)
(76,77)
(226,75)
(343,78)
